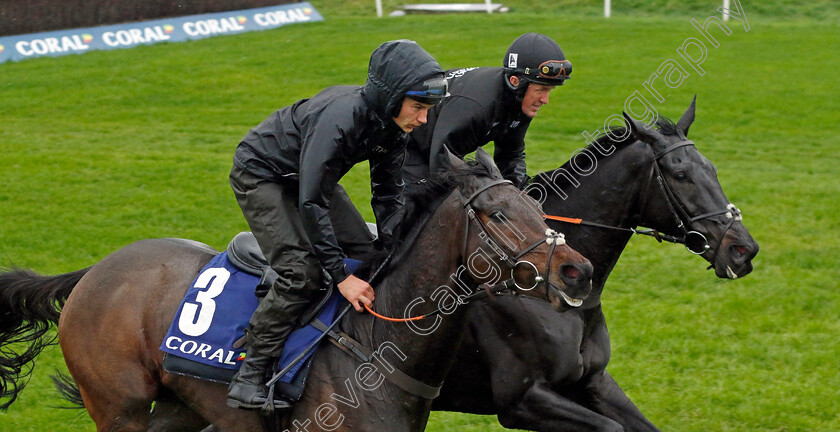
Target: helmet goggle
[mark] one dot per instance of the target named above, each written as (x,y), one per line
(433,90)
(553,69)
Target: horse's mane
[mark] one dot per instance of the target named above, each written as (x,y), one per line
(664,125)
(421,202)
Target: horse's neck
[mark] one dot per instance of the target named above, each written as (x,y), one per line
(608,196)
(407,289)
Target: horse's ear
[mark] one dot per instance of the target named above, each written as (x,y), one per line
(642,131)
(452,162)
(484,158)
(687,118)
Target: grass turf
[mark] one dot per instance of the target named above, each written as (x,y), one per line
(105,148)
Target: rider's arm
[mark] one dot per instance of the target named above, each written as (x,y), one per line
(462,125)
(321,162)
(386,185)
(509,155)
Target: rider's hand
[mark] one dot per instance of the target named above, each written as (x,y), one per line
(356,291)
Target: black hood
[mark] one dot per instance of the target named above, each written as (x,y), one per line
(394,68)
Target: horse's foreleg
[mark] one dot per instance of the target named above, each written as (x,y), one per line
(541,409)
(605,397)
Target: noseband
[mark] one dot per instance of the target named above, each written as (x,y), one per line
(694,241)
(552,238)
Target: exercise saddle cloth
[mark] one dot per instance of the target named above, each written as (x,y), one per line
(205,340)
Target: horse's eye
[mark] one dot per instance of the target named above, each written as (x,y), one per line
(680,176)
(497,216)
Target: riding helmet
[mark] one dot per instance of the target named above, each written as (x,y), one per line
(536,58)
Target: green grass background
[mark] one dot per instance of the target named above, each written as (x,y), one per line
(102,149)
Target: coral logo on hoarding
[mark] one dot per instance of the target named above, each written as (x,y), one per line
(133,36)
(241,19)
(1,48)
(86,38)
(212,26)
(52,45)
(168,29)
(281,17)
(307,11)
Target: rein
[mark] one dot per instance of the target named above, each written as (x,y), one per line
(648,232)
(489,290)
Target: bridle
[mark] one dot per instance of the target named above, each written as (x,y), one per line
(514,259)
(694,241)
(510,285)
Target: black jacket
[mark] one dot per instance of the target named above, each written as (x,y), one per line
(315,141)
(480,109)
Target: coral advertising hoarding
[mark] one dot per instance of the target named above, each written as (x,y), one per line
(77,41)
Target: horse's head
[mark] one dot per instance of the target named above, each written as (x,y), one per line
(507,239)
(684,195)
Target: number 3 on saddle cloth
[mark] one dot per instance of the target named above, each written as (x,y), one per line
(204,340)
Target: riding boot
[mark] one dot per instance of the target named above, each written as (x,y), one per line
(276,316)
(248,389)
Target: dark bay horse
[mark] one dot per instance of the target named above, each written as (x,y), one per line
(546,371)
(117,312)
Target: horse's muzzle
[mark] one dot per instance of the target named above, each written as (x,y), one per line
(577,282)
(735,259)
(735,254)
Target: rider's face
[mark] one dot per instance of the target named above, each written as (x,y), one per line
(535,97)
(412,114)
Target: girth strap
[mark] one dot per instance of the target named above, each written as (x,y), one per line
(397,377)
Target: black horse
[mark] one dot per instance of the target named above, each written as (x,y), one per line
(546,371)
(121,308)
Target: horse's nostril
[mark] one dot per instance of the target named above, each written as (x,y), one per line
(571,272)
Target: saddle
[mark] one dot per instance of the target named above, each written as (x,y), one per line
(245,254)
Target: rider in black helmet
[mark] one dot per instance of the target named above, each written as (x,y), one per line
(490,104)
(285,177)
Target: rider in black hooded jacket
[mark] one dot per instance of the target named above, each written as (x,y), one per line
(285,178)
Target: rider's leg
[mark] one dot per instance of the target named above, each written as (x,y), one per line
(271,212)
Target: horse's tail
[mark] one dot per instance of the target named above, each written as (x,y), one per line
(68,388)
(29,305)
